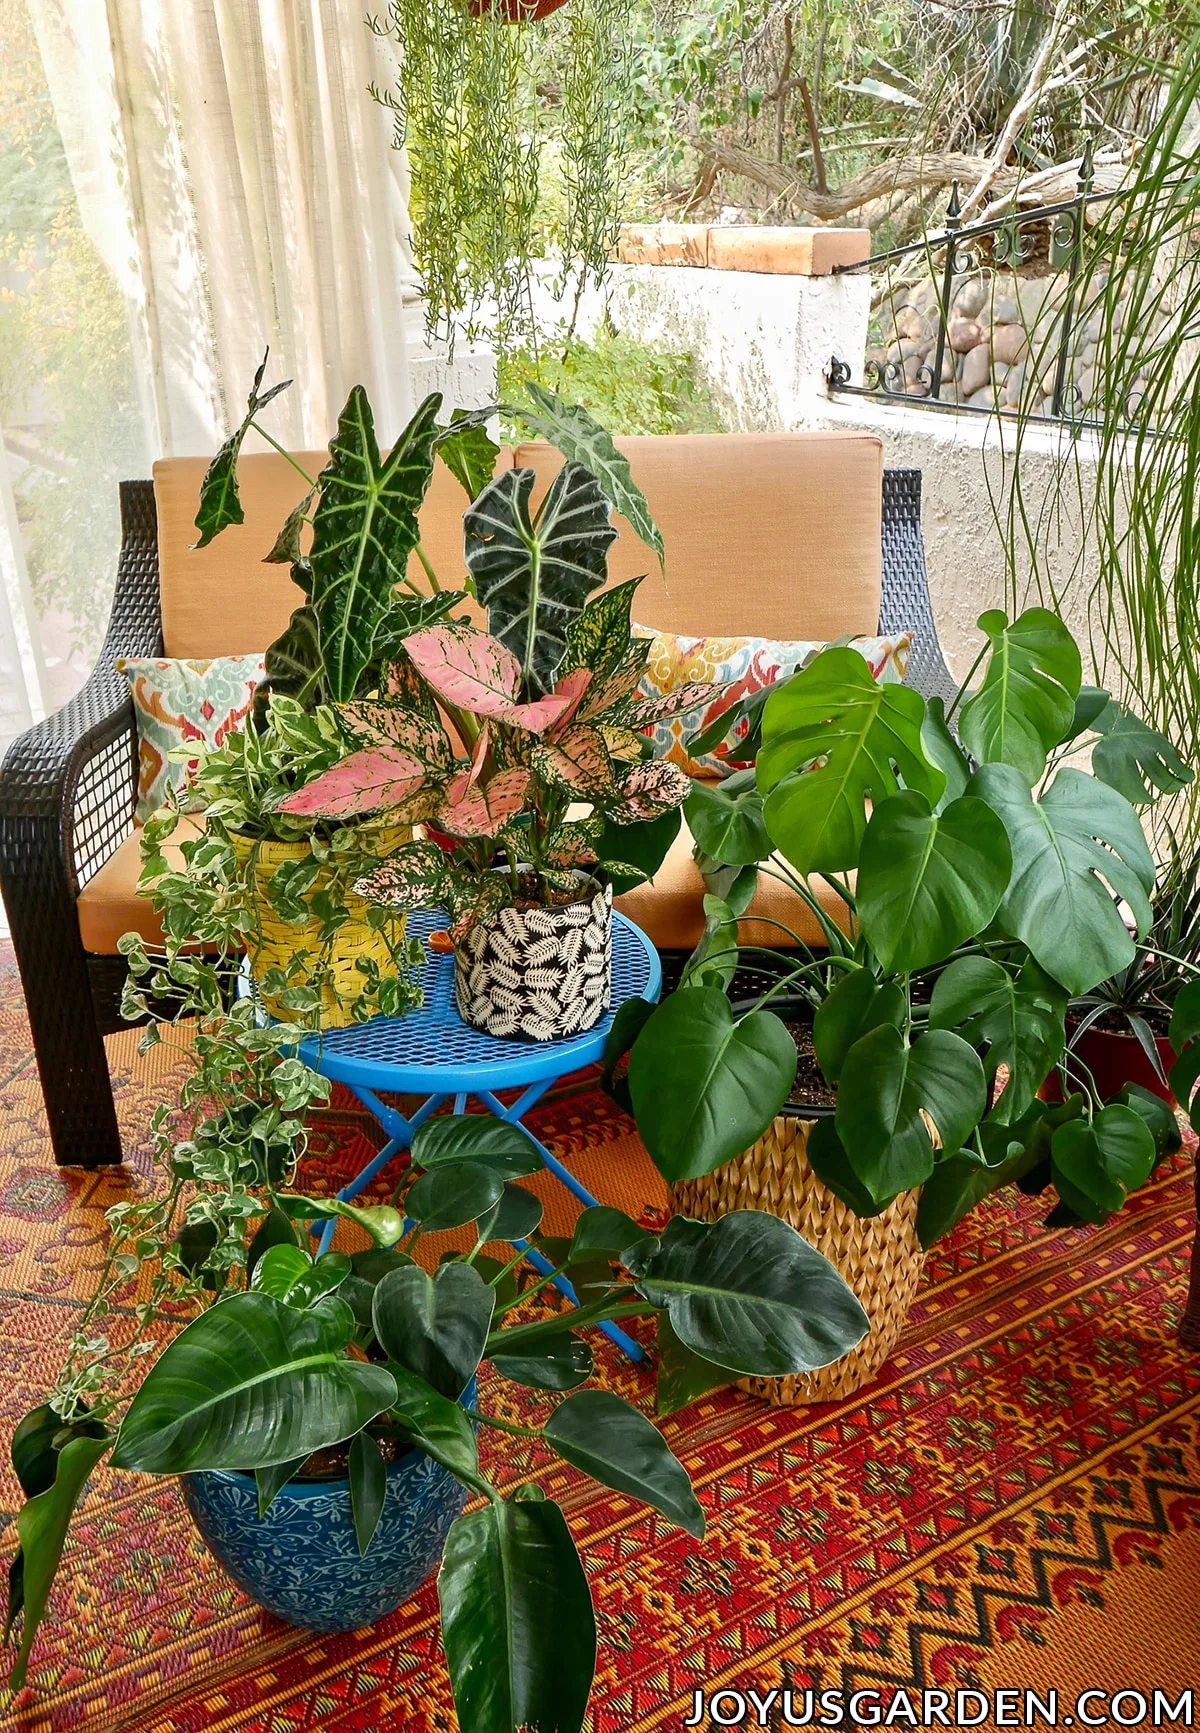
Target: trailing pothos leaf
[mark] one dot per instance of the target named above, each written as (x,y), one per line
(220,502)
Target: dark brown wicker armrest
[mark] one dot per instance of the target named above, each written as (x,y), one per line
(67,784)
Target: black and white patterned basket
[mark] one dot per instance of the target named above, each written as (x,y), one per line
(541,974)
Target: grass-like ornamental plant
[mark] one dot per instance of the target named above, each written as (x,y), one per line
(985,879)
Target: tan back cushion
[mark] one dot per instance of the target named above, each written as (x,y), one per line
(222,600)
(769,534)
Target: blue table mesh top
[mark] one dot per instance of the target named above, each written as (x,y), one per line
(432,1049)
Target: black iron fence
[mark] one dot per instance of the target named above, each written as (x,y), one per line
(936,352)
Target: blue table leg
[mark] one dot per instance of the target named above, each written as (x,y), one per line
(513,1116)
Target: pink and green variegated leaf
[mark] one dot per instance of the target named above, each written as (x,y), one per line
(413,878)
(473,900)
(574,844)
(616,687)
(623,744)
(572,687)
(379,724)
(367,781)
(578,760)
(473,811)
(673,703)
(475,672)
(649,790)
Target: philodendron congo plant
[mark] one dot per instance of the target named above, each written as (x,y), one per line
(373,1351)
(993,880)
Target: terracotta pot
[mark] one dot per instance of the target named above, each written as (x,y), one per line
(516,11)
(1115,1059)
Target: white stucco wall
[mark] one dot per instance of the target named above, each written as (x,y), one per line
(763,343)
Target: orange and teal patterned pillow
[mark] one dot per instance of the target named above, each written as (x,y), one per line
(740,666)
(177,701)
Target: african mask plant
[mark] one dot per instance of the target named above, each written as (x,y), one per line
(990,889)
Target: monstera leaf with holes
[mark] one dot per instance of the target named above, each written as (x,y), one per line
(834,738)
(534,571)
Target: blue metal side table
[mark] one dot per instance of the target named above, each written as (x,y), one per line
(432,1052)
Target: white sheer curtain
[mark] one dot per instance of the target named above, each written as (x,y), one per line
(235,173)
(191,182)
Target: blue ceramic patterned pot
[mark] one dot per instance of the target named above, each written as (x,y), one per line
(301,1560)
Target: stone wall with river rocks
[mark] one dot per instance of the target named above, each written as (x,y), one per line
(1002,344)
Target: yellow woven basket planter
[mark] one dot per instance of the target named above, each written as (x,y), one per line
(278,941)
(880,1257)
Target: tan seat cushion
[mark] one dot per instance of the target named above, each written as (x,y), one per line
(222,600)
(670,910)
(109,904)
(773,535)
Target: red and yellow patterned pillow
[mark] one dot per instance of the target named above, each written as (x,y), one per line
(177,701)
(741,666)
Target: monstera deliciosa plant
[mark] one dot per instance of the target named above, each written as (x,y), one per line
(985,879)
(293,1355)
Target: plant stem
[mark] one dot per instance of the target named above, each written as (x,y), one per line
(962,691)
(504,1425)
(429,571)
(600,1312)
(284,452)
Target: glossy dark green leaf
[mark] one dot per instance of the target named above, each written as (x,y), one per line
(828,1159)
(534,574)
(1096,1166)
(364,529)
(478,1137)
(275,1229)
(601,1230)
(34,1458)
(1159,1116)
(643,846)
(271,1481)
(1018,1017)
(42,1524)
(1027,699)
(627,1025)
(714,962)
(453,1193)
(960,1182)
(614,1443)
(288,1273)
(220,502)
(436,1325)
(747,1292)
(293,664)
(1090,703)
(249,1383)
(468,450)
(857,1004)
(515,1217)
(434,1423)
(1077,852)
(196,1242)
(705,1085)
(728,824)
(942,749)
(834,739)
(885,1087)
(582,440)
(927,882)
(368,1489)
(512,1665)
(683,1377)
(286,549)
(556,1362)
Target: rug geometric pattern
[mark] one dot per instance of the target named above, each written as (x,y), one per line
(1037,1435)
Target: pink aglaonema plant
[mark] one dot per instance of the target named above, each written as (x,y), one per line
(518,794)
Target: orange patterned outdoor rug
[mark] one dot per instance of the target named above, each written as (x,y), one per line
(1019,1489)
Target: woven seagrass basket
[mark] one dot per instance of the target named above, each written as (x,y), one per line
(277,940)
(880,1257)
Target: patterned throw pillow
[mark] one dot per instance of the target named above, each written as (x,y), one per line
(741,666)
(177,701)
